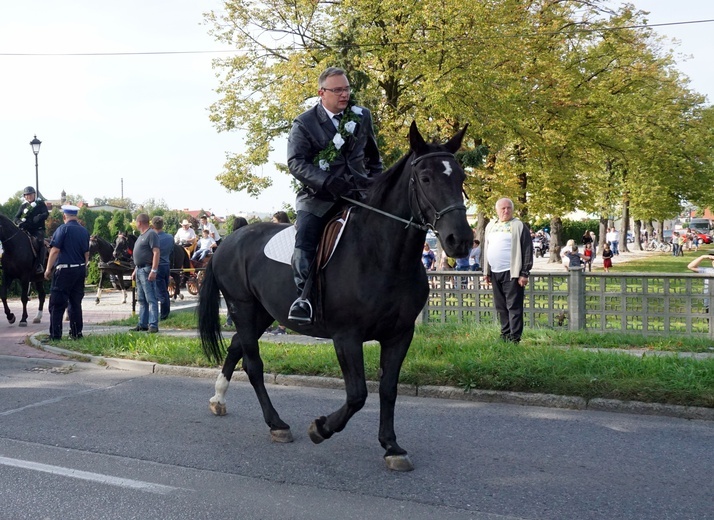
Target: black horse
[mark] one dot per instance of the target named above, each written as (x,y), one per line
(124,247)
(17,264)
(180,267)
(373,288)
(108,265)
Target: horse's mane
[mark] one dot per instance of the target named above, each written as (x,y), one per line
(385,182)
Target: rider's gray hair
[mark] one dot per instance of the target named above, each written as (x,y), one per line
(328,72)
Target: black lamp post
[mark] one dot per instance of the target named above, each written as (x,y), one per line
(35,143)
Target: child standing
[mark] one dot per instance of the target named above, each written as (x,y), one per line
(607,258)
(574,257)
(588,253)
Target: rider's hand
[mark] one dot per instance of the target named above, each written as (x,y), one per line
(337,187)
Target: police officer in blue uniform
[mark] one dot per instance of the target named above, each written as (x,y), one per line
(69,256)
(30,217)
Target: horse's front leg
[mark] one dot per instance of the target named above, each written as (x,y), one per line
(3,295)
(392,355)
(99,288)
(351,359)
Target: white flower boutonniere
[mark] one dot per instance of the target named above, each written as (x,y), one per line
(347,127)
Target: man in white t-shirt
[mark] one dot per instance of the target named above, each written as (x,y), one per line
(212,231)
(508,259)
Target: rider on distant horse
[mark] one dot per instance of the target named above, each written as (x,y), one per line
(332,150)
(31,218)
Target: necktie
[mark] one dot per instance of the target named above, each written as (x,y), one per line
(336,120)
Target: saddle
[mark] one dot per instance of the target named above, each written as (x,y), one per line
(280,248)
(331,237)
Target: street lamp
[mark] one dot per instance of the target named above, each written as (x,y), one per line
(35,143)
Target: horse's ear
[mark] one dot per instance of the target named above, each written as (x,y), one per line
(416,141)
(455,142)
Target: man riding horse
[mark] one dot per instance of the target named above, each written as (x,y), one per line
(30,217)
(332,151)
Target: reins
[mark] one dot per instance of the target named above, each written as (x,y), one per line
(415,184)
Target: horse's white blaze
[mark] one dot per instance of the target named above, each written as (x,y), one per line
(447,168)
(221,389)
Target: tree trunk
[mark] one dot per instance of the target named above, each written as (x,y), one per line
(602,232)
(650,230)
(637,246)
(556,240)
(625,223)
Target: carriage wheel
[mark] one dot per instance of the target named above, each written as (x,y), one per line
(192,286)
(172,288)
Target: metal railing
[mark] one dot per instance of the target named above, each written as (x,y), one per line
(643,303)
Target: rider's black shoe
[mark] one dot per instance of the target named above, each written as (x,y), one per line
(300,312)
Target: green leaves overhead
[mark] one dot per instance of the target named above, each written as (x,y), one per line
(570,105)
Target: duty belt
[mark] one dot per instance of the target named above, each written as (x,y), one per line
(67,266)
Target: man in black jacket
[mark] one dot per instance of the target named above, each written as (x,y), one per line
(31,217)
(332,151)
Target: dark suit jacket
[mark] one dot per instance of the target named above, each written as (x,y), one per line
(34,217)
(357,162)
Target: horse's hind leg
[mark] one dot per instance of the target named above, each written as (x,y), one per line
(217,403)
(351,359)
(24,297)
(39,286)
(250,322)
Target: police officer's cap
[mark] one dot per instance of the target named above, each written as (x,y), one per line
(28,190)
(68,209)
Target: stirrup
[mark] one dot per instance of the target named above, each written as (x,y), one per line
(300,311)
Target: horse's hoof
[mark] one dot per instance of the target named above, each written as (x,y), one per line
(281,436)
(181,296)
(11,319)
(37,320)
(218,408)
(96,301)
(399,463)
(23,324)
(314,434)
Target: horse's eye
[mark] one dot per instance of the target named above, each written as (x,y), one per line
(425,178)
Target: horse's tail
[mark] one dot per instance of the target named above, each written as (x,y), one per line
(209,323)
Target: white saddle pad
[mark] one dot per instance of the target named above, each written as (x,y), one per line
(280,248)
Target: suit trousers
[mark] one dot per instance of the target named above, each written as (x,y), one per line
(508,298)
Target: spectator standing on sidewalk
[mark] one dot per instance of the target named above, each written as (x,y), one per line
(69,256)
(166,249)
(508,259)
(146,259)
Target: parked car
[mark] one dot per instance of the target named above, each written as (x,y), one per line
(704,238)
(667,236)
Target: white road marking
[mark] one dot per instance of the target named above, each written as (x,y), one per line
(140,485)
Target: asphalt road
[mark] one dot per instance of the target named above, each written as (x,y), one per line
(79,441)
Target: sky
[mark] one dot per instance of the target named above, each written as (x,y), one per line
(137,125)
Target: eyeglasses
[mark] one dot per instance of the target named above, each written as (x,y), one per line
(339,91)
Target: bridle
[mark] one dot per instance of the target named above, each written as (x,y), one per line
(17,231)
(414,186)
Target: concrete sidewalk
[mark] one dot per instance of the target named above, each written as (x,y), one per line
(14,340)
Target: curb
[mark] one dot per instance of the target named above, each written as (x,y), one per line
(435,392)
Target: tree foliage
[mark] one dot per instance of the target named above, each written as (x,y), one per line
(571,104)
